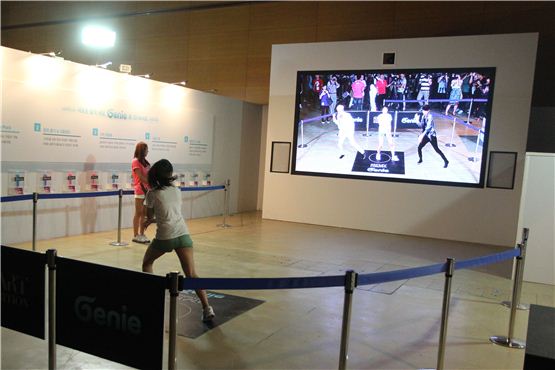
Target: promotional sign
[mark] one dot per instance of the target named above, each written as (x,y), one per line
(111,313)
(23,298)
(364,118)
(408,120)
(69,112)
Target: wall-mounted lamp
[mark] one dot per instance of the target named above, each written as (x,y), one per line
(52,54)
(145,76)
(104,65)
(182,83)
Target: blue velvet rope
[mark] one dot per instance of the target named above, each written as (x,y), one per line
(387,276)
(433,100)
(338,280)
(263,283)
(15,198)
(486,260)
(90,194)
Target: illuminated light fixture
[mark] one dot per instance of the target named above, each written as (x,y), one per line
(99,37)
(104,65)
(145,76)
(52,54)
(213,90)
(182,83)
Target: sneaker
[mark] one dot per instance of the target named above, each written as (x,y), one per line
(137,239)
(208,314)
(395,158)
(145,239)
(378,157)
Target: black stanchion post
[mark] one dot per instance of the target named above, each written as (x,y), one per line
(302,144)
(350,284)
(173,278)
(51,261)
(226,204)
(520,306)
(445,312)
(35,200)
(509,341)
(119,242)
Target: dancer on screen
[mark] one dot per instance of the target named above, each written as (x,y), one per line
(346,125)
(428,135)
(384,122)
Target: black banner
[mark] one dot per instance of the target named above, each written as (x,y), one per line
(23,299)
(407,120)
(111,313)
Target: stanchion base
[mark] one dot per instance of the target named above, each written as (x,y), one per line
(449,145)
(506,342)
(302,146)
(224,226)
(119,244)
(520,306)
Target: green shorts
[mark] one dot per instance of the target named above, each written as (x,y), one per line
(183,241)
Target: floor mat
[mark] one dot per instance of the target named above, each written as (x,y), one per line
(369,163)
(226,307)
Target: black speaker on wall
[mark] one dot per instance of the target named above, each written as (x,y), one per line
(388,58)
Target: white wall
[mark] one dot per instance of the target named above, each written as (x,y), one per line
(467,214)
(538,215)
(537,209)
(250,158)
(75,216)
(262,155)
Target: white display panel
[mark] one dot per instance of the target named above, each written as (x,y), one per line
(61,127)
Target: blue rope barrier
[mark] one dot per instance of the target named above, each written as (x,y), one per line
(90,194)
(202,188)
(15,198)
(434,100)
(486,260)
(263,283)
(338,280)
(383,277)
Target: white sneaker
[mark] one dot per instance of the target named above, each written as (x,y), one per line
(144,239)
(395,158)
(137,239)
(378,157)
(208,314)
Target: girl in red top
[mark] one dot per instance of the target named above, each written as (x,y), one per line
(140,167)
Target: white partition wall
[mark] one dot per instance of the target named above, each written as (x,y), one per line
(59,116)
(482,215)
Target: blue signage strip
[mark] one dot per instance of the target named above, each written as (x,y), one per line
(23,285)
(110,312)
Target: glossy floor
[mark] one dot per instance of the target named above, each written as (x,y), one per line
(394,326)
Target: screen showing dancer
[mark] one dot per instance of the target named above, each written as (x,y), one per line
(377,124)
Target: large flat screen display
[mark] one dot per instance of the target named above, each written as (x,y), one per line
(410,125)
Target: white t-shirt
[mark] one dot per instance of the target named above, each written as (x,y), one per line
(384,120)
(167,210)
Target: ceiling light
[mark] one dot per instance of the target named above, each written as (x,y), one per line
(182,83)
(98,37)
